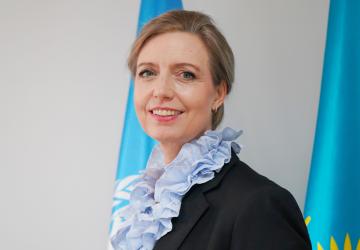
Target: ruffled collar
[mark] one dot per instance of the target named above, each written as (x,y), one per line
(157,195)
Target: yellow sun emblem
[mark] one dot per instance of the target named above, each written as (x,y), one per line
(333,244)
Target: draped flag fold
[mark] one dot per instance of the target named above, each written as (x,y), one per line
(332,209)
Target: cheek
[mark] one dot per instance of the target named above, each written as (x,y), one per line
(202,105)
(139,101)
(199,100)
(136,97)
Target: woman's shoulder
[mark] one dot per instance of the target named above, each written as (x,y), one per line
(240,209)
(258,207)
(241,177)
(239,185)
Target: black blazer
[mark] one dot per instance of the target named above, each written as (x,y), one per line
(238,210)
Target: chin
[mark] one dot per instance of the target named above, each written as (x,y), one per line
(163,135)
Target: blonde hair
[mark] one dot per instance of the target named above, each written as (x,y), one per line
(221,58)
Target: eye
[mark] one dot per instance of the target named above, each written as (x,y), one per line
(187,75)
(146,73)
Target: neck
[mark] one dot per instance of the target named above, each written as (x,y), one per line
(170,151)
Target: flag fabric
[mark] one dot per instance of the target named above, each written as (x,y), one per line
(135,144)
(332,209)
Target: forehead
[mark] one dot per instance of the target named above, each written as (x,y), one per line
(175,47)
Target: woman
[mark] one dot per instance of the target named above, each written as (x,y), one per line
(195,192)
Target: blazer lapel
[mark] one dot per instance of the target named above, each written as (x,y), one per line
(208,186)
(193,205)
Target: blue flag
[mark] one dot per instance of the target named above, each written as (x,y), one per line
(135,144)
(332,209)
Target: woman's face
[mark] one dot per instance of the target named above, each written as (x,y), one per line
(174,92)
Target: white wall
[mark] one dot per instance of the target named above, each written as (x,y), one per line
(63,89)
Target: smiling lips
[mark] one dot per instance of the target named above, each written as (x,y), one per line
(165,114)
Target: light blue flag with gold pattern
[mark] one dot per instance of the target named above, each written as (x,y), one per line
(135,144)
(332,210)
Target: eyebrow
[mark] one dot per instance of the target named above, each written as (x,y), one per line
(146,64)
(187,64)
(176,65)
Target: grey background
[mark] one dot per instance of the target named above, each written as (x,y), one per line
(64,86)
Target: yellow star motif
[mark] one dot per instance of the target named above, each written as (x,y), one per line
(333,244)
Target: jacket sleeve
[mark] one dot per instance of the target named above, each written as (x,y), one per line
(272,220)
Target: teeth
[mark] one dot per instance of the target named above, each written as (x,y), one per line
(164,112)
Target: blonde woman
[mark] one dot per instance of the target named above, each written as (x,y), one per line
(195,193)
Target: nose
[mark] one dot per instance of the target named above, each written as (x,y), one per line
(163,88)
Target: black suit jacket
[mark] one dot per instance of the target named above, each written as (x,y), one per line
(238,210)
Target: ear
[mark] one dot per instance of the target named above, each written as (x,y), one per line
(221,91)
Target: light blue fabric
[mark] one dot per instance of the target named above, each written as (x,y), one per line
(333,196)
(157,195)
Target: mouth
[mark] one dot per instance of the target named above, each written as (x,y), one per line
(165,115)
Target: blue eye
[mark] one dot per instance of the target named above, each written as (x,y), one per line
(188,75)
(146,73)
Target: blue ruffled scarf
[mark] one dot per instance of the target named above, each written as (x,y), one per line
(156,198)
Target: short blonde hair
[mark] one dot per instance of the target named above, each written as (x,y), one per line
(221,57)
